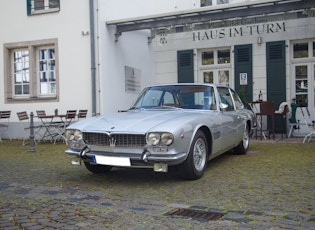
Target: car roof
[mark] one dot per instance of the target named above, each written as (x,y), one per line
(190,84)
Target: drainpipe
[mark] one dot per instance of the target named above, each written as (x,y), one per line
(93,67)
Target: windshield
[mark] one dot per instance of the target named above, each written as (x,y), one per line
(178,96)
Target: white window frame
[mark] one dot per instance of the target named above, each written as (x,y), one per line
(20,65)
(215,67)
(46,8)
(215,2)
(33,48)
(49,83)
(310,63)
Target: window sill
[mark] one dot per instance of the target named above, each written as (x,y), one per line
(38,12)
(33,99)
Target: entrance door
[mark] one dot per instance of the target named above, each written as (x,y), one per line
(244,70)
(276,84)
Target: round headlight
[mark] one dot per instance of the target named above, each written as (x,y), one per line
(153,138)
(167,138)
(69,134)
(77,135)
(73,135)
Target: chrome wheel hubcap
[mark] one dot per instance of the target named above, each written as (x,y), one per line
(200,153)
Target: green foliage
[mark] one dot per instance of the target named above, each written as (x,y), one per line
(242,97)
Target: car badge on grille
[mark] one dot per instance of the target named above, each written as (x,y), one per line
(112,142)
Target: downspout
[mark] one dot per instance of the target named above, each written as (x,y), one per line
(93,67)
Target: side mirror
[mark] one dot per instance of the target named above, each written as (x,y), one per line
(223,106)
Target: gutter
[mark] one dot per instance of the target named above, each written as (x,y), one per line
(93,66)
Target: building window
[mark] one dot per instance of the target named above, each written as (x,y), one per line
(216,57)
(301,85)
(208,77)
(47,71)
(224,77)
(213,2)
(31,72)
(217,76)
(216,66)
(303,60)
(42,6)
(223,56)
(300,50)
(207,58)
(21,73)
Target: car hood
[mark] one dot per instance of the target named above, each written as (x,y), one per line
(139,121)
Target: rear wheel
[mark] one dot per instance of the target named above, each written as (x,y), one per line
(195,165)
(243,146)
(97,169)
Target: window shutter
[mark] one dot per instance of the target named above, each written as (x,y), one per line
(243,62)
(185,66)
(28,7)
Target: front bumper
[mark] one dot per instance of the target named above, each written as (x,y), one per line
(137,157)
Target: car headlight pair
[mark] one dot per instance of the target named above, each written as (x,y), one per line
(73,135)
(160,138)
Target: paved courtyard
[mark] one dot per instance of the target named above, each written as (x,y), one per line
(271,187)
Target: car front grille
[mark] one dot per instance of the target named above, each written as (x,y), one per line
(114,140)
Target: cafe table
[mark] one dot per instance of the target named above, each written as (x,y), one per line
(50,124)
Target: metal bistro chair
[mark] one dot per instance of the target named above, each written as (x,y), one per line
(4,126)
(69,118)
(45,125)
(309,124)
(82,113)
(267,108)
(25,125)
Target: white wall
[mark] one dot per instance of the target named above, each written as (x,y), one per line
(74,54)
(74,51)
(121,9)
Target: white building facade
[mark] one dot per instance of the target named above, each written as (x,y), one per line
(58,54)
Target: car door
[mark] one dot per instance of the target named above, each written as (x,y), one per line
(229,117)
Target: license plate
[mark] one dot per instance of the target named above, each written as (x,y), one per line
(113,161)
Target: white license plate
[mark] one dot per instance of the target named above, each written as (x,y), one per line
(113,161)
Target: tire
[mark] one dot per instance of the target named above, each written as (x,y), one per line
(97,169)
(243,146)
(196,163)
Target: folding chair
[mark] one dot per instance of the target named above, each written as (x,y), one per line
(82,113)
(61,128)
(309,124)
(4,126)
(41,113)
(267,108)
(25,125)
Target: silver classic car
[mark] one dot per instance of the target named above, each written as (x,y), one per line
(181,125)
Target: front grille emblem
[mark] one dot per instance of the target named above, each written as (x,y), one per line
(112,142)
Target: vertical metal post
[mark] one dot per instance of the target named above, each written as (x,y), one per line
(32,142)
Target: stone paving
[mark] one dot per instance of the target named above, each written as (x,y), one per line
(271,187)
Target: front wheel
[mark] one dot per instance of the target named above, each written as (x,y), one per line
(97,169)
(243,146)
(195,165)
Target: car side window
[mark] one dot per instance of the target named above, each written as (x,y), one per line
(237,100)
(226,98)
(213,103)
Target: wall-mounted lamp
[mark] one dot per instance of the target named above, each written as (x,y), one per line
(259,40)
(85,33)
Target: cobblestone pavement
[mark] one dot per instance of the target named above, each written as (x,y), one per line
(271,187)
